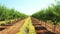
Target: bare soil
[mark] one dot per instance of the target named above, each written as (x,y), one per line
(39,28)
(14,28)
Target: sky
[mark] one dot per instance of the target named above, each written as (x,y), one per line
(27,6)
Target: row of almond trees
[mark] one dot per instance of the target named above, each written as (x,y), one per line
(52,13)
(7,14)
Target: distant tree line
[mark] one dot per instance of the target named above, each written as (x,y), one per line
(7,14)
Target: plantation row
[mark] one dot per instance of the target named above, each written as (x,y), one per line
(52,14)
(7,14)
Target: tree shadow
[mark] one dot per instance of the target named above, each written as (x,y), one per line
(40,28)
(49,32)
(2,29)
(43,28)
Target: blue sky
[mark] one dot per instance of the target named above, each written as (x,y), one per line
(27,6)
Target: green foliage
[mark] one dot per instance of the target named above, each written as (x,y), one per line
(8,14)
(51,13)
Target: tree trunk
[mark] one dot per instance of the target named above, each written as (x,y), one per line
(54,28)
(41,22)
(45,24)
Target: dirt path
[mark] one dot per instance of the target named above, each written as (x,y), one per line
(13,29)
(36,23)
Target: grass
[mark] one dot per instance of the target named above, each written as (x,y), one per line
(27,28)
(2,22)
(5,22)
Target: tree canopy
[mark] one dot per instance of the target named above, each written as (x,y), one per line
(7,14)
(51,13)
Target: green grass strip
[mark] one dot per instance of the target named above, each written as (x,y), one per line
(27,28)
